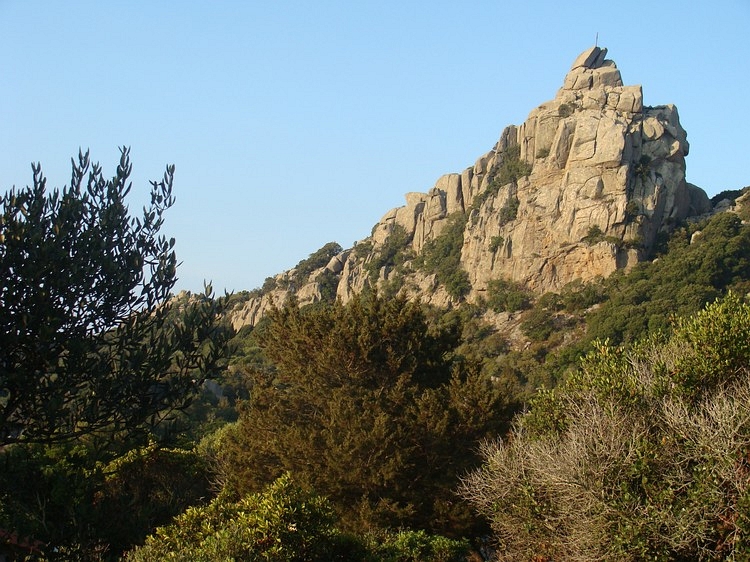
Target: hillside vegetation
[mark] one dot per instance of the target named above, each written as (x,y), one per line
(607,421)
(642,454)
(381,404)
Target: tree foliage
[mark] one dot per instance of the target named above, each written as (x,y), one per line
(88,337)
(364,406)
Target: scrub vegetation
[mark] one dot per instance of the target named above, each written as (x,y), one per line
(613,423)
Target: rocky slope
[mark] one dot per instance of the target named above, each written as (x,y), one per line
(580,189)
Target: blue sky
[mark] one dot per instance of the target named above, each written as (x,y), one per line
(292,124)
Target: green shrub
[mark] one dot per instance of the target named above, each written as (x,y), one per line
(302,271)
(268,285)
(328,282)
(512,168)
(147,487)
(640,455)
(316,260)
(509,211)
(442,257)
(566,110)
(538,324)
(550,301)
(362,249)
(680,283)
(643,167)
(577,296)
(280,524)
(393,285)
(417,546)
(496,243)
(593,235)
(507,296)
(632,209)
(634,243)
(720,337)
(80,507)
(394,252)
(284,524)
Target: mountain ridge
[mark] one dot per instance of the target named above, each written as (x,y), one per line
(581,189)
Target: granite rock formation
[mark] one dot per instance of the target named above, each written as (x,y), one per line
(604,176)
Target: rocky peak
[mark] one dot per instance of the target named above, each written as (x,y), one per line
(578,190)
(592,69)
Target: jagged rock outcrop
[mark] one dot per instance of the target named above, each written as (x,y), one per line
(608,174)
(580,189)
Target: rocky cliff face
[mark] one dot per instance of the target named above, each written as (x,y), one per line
(580,189)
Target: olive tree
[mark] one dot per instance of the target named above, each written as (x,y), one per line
(90,337)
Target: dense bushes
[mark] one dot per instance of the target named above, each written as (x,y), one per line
(442,256)
(83,508)
(280,524)
(316,260)
(641,455)
(284,524)
(507,296)
(696,270)
(393,253)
